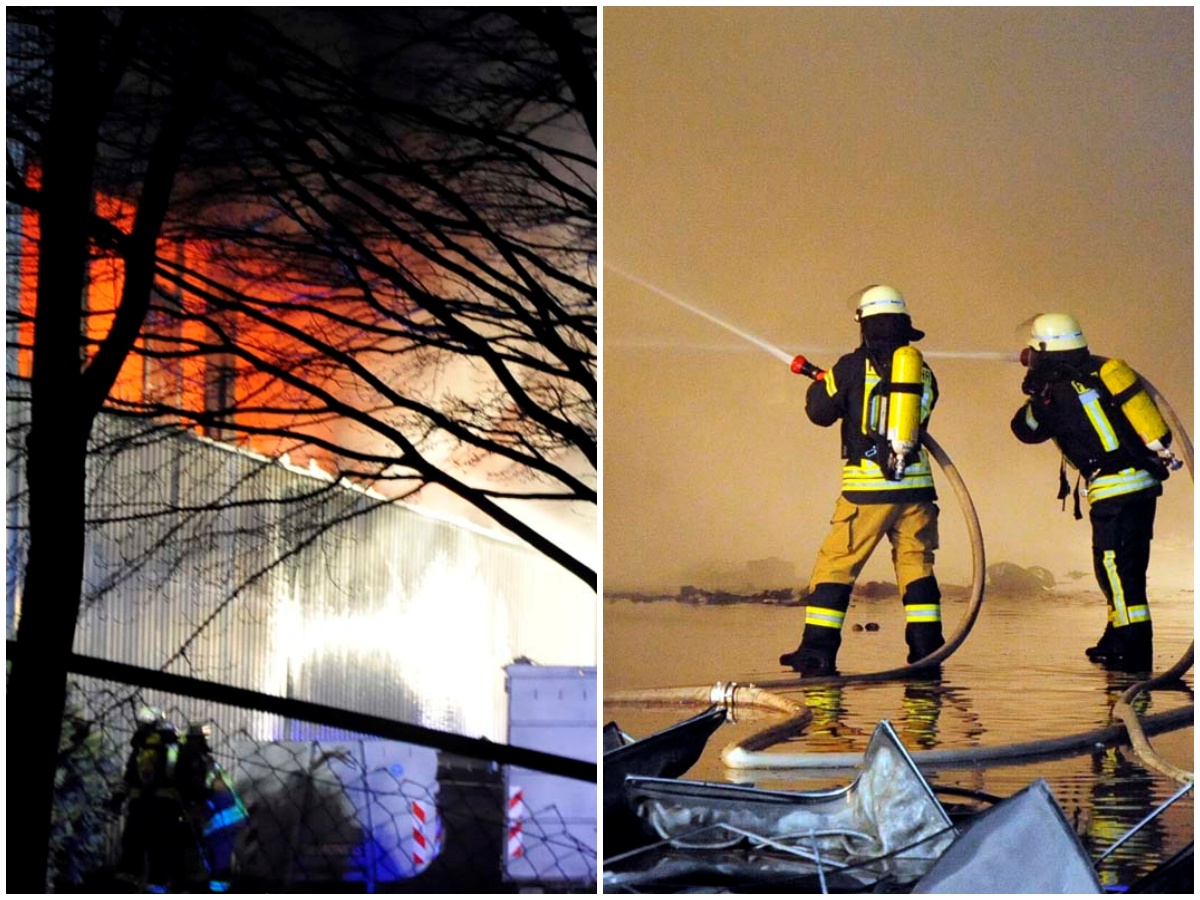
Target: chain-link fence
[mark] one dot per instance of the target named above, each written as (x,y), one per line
(350,813)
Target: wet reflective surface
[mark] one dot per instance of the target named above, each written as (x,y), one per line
(1020,676)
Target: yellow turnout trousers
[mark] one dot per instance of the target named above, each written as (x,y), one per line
(912,529)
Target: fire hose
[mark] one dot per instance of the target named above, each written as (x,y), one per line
(747,753)
(741,755)
(759,694)
(1123,709)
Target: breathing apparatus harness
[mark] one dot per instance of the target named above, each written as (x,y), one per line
(1140,437)
(890,433)
(899,393)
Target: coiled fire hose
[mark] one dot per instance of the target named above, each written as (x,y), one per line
(758,694)
(746,753)
(1123,710)
(741,755)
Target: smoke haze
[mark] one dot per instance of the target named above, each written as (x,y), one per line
(764,164)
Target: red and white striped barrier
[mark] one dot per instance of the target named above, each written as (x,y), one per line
(516,823)
(427,834)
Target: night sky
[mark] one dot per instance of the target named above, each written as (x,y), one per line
(764,164)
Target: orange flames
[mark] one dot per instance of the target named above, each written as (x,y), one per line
(177,362)
(182,366)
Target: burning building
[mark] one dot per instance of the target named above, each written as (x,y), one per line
(225,543)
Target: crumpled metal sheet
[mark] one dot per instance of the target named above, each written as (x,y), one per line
(665,754)
(888,816)
(1022,845)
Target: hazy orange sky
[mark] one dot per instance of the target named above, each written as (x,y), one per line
(991,163)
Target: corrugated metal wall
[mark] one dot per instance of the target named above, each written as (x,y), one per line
(282,582)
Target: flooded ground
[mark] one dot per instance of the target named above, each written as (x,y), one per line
(1020,676)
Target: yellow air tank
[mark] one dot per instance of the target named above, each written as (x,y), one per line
(1122,382)
(904,406)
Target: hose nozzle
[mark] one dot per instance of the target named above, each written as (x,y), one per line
(801,366)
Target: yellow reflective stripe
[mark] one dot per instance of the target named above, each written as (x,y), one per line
(231,815)
(1124,482)
(1029,419)
(882,484)
(1136,614)
(926,393)
(1120,616)
(923,612)
(830,384)
(871,423)
(867,476)
(826,618)
(1104,430)
(870,469)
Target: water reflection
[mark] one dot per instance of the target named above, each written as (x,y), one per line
(838,727)
(829,731)
(1122,795)
(1007,684)
(921,710)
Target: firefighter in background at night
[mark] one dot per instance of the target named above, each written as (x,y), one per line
(158,848)
(883,393)
(1108,428)
(213,805)
(182,814)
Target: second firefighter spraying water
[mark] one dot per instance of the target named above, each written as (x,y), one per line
(883,394)
(1107,428)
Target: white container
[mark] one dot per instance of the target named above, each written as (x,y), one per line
(551,822)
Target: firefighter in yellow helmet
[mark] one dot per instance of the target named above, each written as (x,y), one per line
(158,847)
(1107,427)
(883,394)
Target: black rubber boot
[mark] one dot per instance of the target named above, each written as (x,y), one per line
(817,653)
(1103,647)
(1129,648)
(923,637)
(811,661)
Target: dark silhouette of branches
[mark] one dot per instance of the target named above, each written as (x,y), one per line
(87,60)
(382,227)
(369,237)
(457,229)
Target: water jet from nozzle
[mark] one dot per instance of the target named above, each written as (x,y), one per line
(969,354)
(781,354)
(745,335)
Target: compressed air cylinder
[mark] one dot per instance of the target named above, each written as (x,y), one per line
(904,400)
(1122,382)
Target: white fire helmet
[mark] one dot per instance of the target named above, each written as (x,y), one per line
(150,715)
(1056,331)
(879,299)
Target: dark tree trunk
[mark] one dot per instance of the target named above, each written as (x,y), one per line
(57,446)
(65,398)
